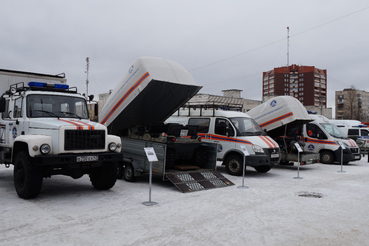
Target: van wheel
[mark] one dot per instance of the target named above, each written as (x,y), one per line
(234,165)
(263,169)
(326,157)
(128,173)
(27,176)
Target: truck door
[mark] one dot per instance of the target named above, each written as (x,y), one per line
(4,126)
(16,123)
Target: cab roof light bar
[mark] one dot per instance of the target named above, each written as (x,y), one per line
(46,85)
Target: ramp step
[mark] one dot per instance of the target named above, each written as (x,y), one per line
(195,181)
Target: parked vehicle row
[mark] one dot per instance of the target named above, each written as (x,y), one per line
(45,131)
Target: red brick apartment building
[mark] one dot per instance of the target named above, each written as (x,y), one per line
(306,83)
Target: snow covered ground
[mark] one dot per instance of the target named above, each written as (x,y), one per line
(272,211)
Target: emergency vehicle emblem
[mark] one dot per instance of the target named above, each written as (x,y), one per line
(273,103)
(220,148)
(131,69)
(14,132)
(311,147)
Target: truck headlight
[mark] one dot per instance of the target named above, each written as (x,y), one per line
(112,146)
(257,149)
(45,149)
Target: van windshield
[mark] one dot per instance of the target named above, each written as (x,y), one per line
(246,126)
(333,130)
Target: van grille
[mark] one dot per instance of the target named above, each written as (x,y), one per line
(273,151)
(84,139)
(354,150)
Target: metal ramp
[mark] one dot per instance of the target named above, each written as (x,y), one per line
(201,180)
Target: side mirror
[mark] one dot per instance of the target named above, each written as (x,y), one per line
(91,97)
(96,109)
(2,105)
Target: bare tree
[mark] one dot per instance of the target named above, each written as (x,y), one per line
(351,103)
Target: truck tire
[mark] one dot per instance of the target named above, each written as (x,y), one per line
(128,174)
(234,165)
(263,169)
(326,157)
(120,170)
(104,177)
(27,176)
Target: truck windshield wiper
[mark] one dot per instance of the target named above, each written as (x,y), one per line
(70,113)
(48,112)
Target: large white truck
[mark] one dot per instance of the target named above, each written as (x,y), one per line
(287,121)
(45,130)
(152,90)
(232,131)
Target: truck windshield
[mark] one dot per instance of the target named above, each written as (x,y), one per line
(56,106)
(246,126)
(333,130)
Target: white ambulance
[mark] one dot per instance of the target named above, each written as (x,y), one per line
(232,131)
(321,136)
(286,117)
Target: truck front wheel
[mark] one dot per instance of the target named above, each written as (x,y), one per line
(104,177)
(27,176)
(234,165)
(263,169)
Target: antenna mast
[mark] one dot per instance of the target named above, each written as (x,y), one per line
(288,46)
(87,67)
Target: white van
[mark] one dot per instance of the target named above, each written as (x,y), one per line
(231,130)
(360,135)
(346,123)
(323,137)
(285,116)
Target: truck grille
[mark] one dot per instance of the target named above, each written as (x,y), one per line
(84,139)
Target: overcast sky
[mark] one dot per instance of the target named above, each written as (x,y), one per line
(223,44)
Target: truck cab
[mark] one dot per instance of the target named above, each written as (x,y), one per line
(45,130)
(231,130)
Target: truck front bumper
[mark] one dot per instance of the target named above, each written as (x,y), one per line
(78,160)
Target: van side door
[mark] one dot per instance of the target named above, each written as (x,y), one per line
(313,134)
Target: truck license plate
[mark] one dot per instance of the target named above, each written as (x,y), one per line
(274,155)
(88,158)
(357,157)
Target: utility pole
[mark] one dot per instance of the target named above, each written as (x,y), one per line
(288,46)
(87,67)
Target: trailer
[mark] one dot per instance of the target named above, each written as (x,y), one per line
(282,118)
(151,91)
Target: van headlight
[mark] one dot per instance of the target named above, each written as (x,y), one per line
(45,149)
(360,142)
(257,149)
